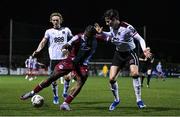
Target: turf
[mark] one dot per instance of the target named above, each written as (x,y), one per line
(162,98)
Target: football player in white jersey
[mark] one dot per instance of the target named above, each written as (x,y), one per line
(56,37)
(122,35)
(29,65)
(160,73)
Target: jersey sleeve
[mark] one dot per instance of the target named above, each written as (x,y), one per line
(73,39)
(132,31)
(69,33)
(46,35)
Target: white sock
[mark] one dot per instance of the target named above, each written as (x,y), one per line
(137,88)
(114,89)
(32,92)
(62,80)
(73,80)
(65,103)
(66,86)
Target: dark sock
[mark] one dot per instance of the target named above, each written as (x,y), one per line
(148,79)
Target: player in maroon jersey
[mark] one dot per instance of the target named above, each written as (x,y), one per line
(82,47)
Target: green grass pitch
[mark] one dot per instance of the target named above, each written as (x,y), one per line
(162,98)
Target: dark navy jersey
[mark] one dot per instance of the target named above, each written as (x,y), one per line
(82,49)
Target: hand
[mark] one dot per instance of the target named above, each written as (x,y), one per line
(147,53)
(98,28)
(66,46)
(65,52)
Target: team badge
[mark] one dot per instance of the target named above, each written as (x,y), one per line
(61,66)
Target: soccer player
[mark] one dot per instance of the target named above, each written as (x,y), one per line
(122,35)
(29,65)
(146,64)
(160,72)
(36,66)
(82,48)
(56,37)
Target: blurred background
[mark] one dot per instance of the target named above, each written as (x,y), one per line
(23,24)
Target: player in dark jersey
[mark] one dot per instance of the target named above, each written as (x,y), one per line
(146,64)
(82,47)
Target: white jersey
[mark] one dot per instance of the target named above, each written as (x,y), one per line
(159,68)
(123,38)
(35,63)
(56,39)
(29,63)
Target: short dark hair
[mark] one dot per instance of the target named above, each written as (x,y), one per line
(91,30)
(111,13)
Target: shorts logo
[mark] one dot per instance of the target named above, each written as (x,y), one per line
(61,66)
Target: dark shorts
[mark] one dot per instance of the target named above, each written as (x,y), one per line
(122,58)
(145,66)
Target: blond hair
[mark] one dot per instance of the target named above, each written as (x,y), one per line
(56,14)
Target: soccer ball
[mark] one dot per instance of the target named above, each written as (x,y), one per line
(37,101)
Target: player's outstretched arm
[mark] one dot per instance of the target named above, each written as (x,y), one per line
(40,46)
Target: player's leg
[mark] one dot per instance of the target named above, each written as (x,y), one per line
(143,69)
(136,85)
(117,62)
(81,79)
(142,79)
(58,72)
(73,93)
(55,92)
(134,72)
(62,80)
(35,72)
(148,77)
(159,75)
(54,84)
(163,76)
(67,79)
(114,70)
(31,74)
(53,77)
(27,74)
